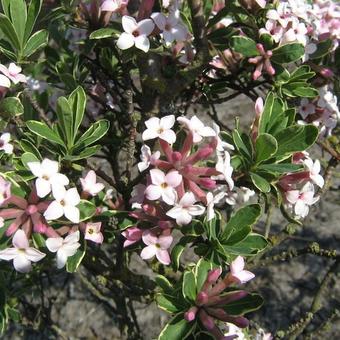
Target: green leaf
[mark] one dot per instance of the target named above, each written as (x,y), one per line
(189,286)
(243,218)
(178,249)
(42,130)
(280,168)
(8,30)
(164,283)
(266,147)
(86,153)
(299,89)
(104,33)
(201,272)
(245,46)
(37,41)
(86,209)
(322,49)
(74,261)
(251,245)
(77,101)
(287,53)
(249,303)
(5,7)
(169,303)
(241,146)
(302,73)
(176,329)
(18,17)
(260,183)
(32,15)
(28,157)
(94,133)
(295,138)
(65,119)
(27,146)
(11,107)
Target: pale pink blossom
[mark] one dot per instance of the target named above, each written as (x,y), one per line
(314,171)
(21,254)
(171,26)
(211,201)
(163,186)
(64,204)
(64,247)
(306,108)
(90,185)
(274,29)
(156,245)
(185,209)
(132,236)
(5,190)
(114,5)
(224,167)
(238,272)
(282,14)
(48,175)
(4,81)
(160,128)
(147,158)
(302,199)
(13,72)
(136,34)
(5,144)
(197,127)
(93,233)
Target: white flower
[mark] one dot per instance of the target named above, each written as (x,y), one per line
(13,72)
(63,247)
(171,26)
(198,129)
(48,175)
(314,171)
(147,158)
(90,185)
(4,81)
(21,254)
(224,167)
(211,201)
(65,204)
(221,145)
(4,143)
(160,128)
(185,209)
(135,33)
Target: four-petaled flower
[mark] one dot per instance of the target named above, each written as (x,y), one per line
(237,271)
(163,185)
(185,209)
(64,204)
(48,175)
(314,171)
(64,247)
(13,72)
(156,245)
(21,254)
(114,5)
(160,128)
(93,233)
(90,185)
(198,129)
(147,158)
(4,143)
(135,33)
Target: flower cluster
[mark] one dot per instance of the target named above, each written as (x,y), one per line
(48,201)
(298,188)
(212,298)
(179,186)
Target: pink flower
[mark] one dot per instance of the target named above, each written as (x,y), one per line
(237,271)
(147,158)
(132,235)
(4,81)
(135,33)
(48,175)
(185,209)
(198,129)
(64,204)
(5,190)
(156,245)
(262,62)
(63,247)
(114,5)
(302,199)
(93,233)
(314,171)
(306,108)
(21,254)
(90,185)
(163,186)
(160,128)
(172,28)
(4,143)
(13,72)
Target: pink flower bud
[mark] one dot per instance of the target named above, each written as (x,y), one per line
(202,298)
(213,275)
(190,315)
(207,320)
(327,73)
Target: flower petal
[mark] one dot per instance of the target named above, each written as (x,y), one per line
(142,42)
(43,187)
(20,240)
(163,256)
(148,252)
(22,264)
(129,24)
(53,244)
(125,41)
(145,27)
(54,211)
(169,136)
(72,213)
(34,255)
